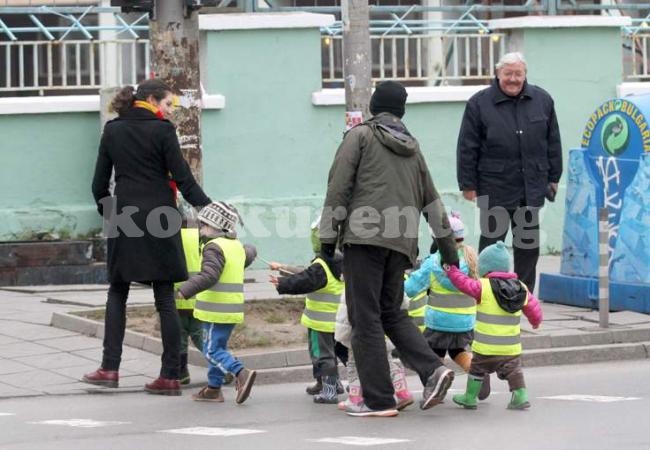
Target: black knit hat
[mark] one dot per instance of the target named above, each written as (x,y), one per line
(389,96)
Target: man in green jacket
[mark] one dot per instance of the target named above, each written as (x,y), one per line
(378,186)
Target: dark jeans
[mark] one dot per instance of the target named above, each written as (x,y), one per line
(524,223)
(115,322)
(374,290)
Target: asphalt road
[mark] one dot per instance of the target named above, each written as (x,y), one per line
(595,406)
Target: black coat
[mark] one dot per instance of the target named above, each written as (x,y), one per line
(509,148)
(143,149)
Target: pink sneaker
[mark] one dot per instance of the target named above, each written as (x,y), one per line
(403,399)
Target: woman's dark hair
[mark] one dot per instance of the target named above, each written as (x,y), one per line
(127,95)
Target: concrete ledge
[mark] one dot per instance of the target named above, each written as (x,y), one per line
(259,21)
(559,22)
(76,103)
(633,88)
(433,94)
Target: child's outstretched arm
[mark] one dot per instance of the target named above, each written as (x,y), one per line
(211,267)
(420,279)
(463,283)
(311,279)
(251,254)
(533,311)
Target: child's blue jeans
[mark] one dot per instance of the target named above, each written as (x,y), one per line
(220,361)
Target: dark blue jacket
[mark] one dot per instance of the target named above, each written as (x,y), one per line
(509,147)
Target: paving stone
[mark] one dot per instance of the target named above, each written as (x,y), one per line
(35,379)
(620,317)
(53,361)
(19,350)
(7,391)
(72,343)
(7,339)
(77,387)
(11,366)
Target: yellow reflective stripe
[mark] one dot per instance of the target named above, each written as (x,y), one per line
(185,303)
(451,301)
(219,307)
(493,319)
(227,287)
(496,340)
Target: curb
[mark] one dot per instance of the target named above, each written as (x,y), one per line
(294,365)
(258,361)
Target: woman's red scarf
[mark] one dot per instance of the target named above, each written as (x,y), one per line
(149,107)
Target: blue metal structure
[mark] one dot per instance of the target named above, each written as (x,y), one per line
(611,170)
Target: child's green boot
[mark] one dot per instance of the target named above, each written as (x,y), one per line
(469,400)
(519,399)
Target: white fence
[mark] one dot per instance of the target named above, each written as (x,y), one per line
(71,65)
(432,59)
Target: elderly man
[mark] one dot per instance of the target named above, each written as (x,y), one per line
(509,158)
(378,186)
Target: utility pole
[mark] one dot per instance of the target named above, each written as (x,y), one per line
(174,41)
(355,15)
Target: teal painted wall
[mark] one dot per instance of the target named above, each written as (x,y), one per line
(47,168)
(580,68)
(269,149)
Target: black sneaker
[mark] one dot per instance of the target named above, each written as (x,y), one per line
(437,386)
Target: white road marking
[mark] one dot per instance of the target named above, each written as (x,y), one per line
(590,398)
(359,440)
(80,423)
(213,431)
(7,414)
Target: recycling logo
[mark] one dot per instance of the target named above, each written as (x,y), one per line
(615,134)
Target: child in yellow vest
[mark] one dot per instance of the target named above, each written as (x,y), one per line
(191,328)
(219,290)
(449,314)
(500,298)
(322,284)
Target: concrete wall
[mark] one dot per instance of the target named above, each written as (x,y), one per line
(46,171)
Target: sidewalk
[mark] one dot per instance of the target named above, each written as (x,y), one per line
(39,359)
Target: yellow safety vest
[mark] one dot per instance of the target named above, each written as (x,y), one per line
(190,239)
(224,301)
(496,332)
(321,305)
(446,300)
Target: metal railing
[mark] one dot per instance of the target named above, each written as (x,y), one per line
(71,65)
(430,59)
(636,61)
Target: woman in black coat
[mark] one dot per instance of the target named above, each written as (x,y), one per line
(142,223)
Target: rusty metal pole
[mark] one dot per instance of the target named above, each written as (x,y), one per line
(174,41)
(355,15)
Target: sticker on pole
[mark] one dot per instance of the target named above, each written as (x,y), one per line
(352,119)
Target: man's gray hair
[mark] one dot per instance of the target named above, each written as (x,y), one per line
(512,58)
